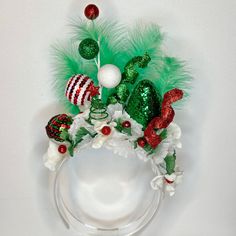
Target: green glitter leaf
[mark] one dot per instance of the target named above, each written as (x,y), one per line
(131,74)
(118,125)
(148,149)
(144,103)
(170,164)
(163,134)
(112,99)
(64,134)
(127,131)
(122,129)
(71,150)
(79,135)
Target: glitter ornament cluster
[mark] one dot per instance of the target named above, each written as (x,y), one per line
(55,126)
(119,87)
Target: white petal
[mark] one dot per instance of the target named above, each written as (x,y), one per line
(178,144)
(52,158)
(111,109)
(179,178)
(174,131)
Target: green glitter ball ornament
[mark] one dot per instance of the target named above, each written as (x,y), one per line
(144,103)
(88,49)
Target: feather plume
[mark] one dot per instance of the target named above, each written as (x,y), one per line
(117,45)
(110,35)
(173,74)
(66,63)
(146,38)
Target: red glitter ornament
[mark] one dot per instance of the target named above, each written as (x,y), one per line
(142,142)
(55,124)
(106,130)
(91,12)
(166,117)
(62,149)
(126,124)
(151,137)
(80,89)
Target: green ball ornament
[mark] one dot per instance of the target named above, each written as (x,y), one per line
(88,49)
(144,103)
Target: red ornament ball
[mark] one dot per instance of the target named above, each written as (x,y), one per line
(126,124)
(142,142)
(106,130)
(62,149)
(91,12)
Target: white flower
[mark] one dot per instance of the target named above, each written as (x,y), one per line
(52,158)
(167,183)
(120,144)
(111,109)
(80,121)
(142,154)
(101,138)
(85,143)
(174,134)
(117,112)
(169,144)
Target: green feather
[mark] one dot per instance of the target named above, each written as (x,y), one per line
(142,39)
(165,72)
(173,74)
(145,39)
(66,63)
(111,37)
(117,46)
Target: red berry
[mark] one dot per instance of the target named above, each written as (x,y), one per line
(142,142)
(62,149)
(126,124)
(91,12)
(169,181)
(106,130)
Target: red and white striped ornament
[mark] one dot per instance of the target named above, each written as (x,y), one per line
(80,89)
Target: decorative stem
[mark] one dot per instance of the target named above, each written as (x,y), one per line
(98,63)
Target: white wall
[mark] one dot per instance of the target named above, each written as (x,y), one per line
(202,32)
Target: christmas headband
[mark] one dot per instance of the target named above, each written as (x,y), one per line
(119,88)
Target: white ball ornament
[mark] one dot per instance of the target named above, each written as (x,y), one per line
(109,76)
